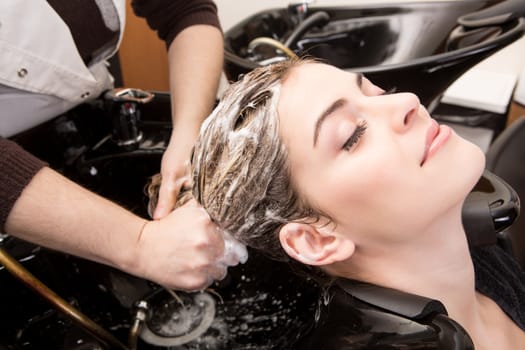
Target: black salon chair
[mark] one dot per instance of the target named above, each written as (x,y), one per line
(490,209)
(364,316)
(504,158)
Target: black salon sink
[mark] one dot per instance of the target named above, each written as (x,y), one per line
(416,46)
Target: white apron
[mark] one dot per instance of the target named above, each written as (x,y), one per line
(41,72)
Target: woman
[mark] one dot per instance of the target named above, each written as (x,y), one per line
(303,160)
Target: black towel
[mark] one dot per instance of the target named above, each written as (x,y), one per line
(499,277)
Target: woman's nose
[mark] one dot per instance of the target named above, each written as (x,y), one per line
(401,109)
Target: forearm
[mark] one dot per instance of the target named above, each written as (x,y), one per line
(195,61)
(54,212)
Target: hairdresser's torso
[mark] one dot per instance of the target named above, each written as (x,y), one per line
(57,62)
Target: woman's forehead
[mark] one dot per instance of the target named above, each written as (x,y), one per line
(310,84)
(318,71)
(316,79)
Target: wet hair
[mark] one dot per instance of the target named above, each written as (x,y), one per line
(241,169)
(241,172)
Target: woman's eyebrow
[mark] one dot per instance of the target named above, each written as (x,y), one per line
(337,104)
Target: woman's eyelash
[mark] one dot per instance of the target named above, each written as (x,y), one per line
(356,136)
(361,127)
(390,91)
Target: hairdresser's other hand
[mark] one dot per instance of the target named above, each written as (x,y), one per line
(175,172)
(181,251)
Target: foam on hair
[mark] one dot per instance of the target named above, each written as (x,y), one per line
(240,168)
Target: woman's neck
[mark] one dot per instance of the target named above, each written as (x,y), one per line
(435,264)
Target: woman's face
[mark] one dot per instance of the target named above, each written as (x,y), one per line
(376,163)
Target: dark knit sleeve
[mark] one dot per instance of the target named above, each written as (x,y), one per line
(170,17)
(17,168)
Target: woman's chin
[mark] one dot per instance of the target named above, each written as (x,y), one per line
(474,163)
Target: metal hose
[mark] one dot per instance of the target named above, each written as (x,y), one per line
(273,43)
(138,322)
(320,18)
(317,19)
(20,272)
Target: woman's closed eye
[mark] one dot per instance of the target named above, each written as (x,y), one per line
(356,136)
(390,91)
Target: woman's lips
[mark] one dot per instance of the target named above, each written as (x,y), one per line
(437,135)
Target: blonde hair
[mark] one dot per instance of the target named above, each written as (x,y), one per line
(241,174)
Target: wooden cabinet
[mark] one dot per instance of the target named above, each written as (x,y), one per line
(142,55)
(516,111)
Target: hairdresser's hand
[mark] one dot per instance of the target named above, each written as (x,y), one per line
(175,172)
(182,251)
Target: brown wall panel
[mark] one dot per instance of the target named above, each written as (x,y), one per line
(143,56)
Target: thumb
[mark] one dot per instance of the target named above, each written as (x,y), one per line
(166,201)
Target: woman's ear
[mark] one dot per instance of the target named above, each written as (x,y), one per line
(315,246)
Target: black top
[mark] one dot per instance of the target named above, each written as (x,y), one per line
(499,277)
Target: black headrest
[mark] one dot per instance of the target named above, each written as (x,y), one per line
(491,207)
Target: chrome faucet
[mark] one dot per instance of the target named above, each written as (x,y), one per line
(299,10)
